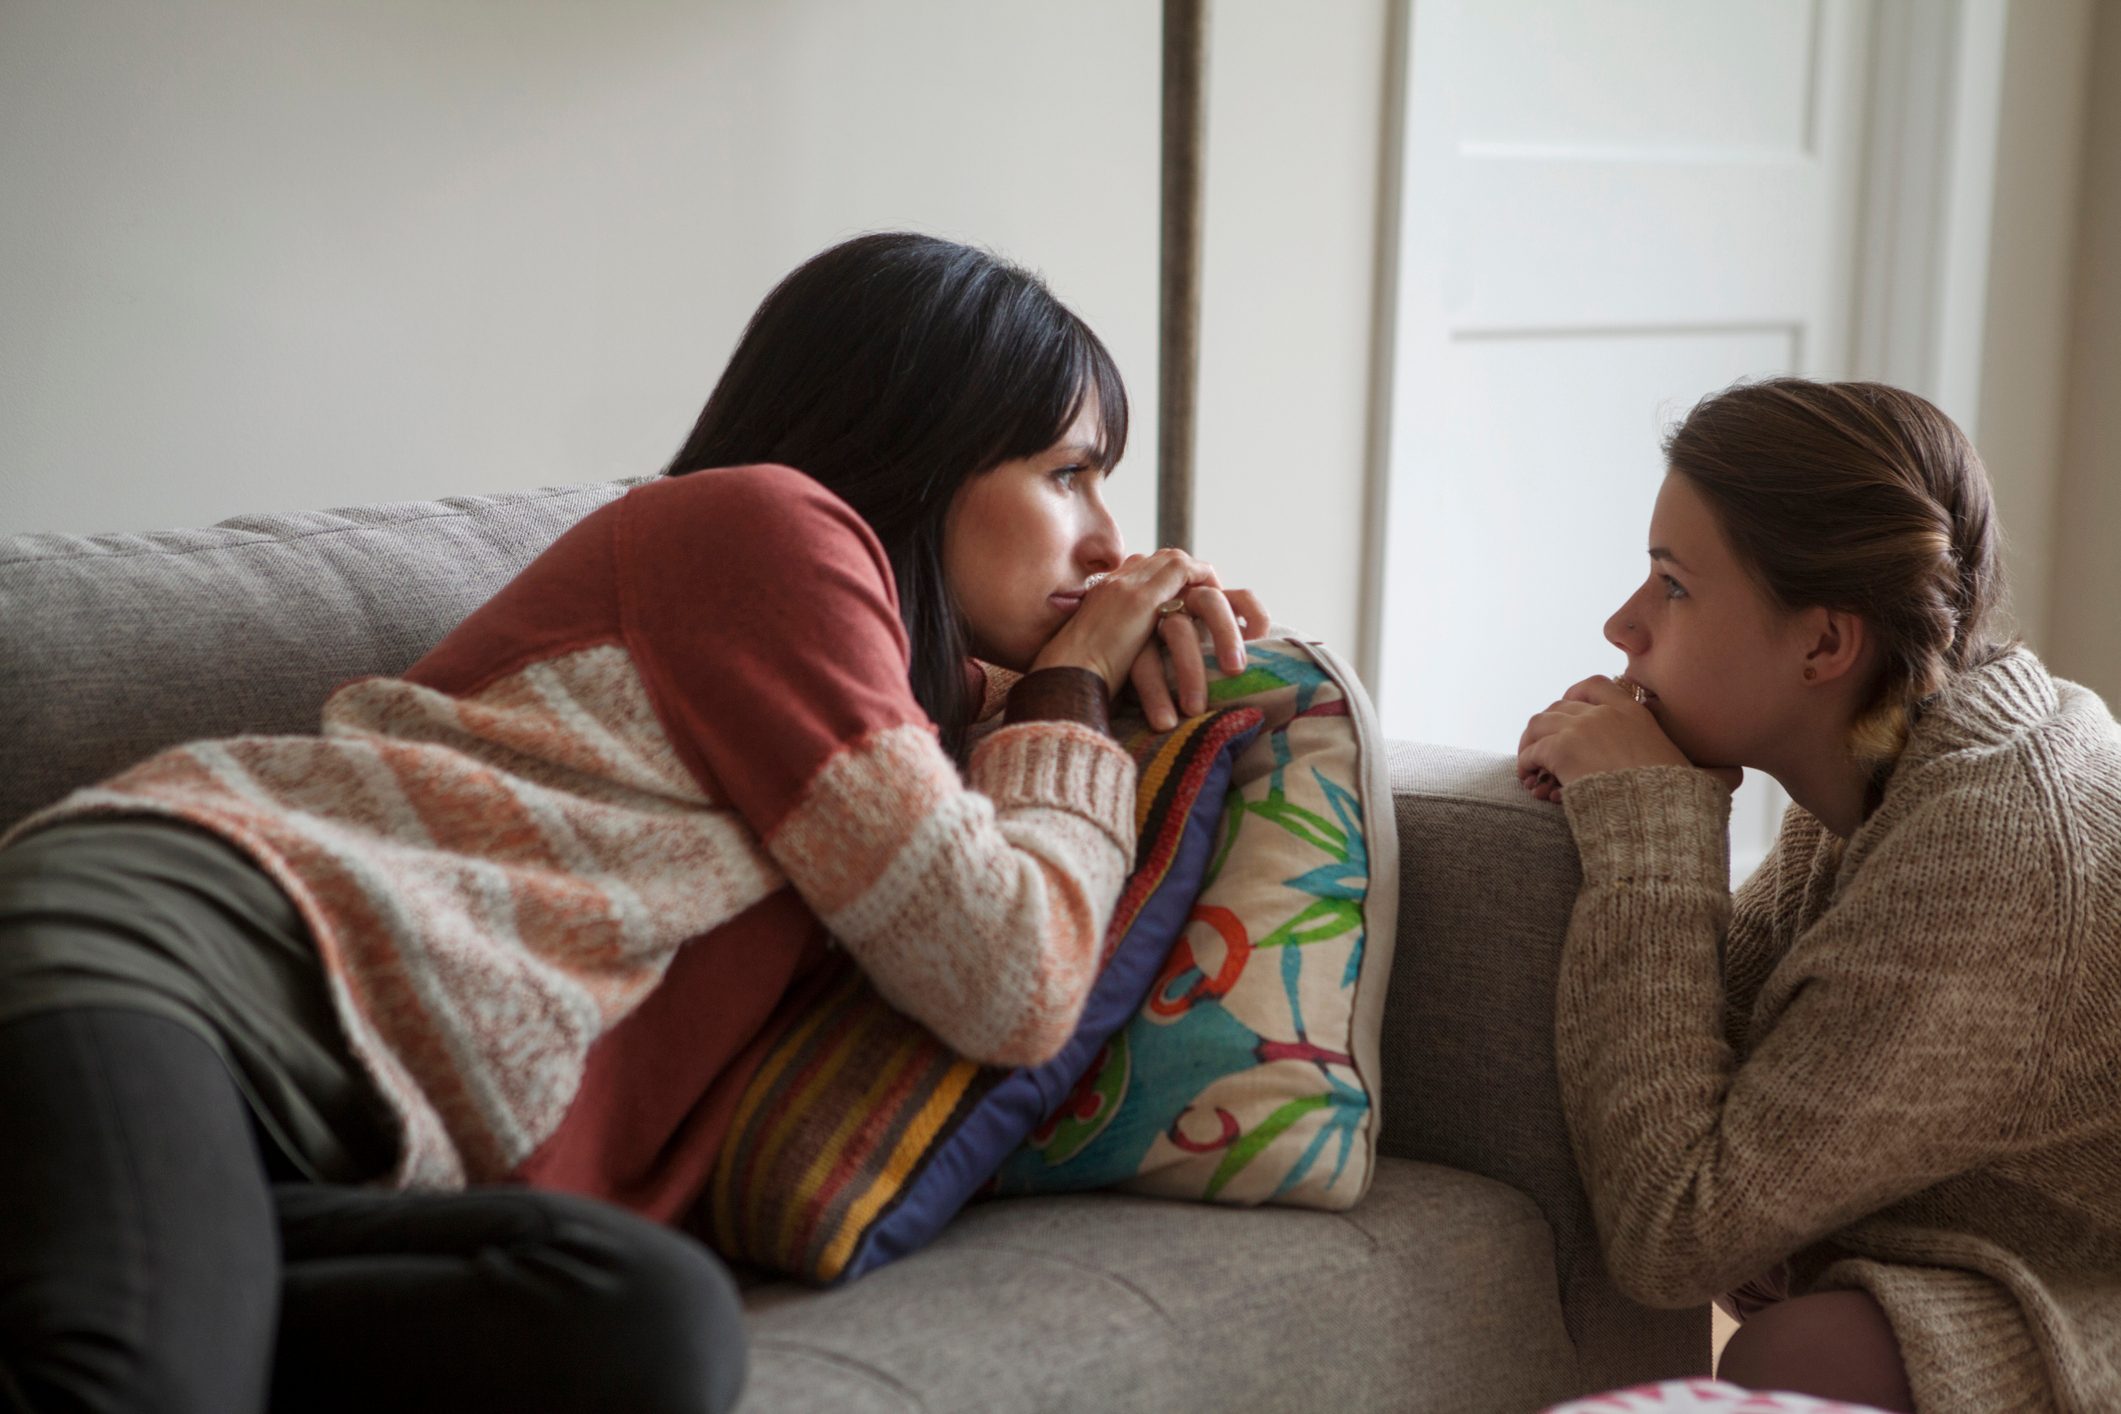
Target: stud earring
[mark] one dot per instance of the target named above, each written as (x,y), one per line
(1810,673)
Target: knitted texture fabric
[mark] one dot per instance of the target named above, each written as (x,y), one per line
(694,702)
(1890,1060)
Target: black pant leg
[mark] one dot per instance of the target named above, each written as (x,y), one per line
(141,1251)
(139,1262)
(497,1298)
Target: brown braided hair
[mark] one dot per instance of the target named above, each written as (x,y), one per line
(1862,498)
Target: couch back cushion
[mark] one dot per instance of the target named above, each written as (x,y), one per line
(113,647)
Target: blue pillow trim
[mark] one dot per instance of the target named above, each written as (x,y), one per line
(1020,1101)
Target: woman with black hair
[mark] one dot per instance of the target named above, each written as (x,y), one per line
(277,1015)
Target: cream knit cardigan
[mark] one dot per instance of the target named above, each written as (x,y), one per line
(1894,1061)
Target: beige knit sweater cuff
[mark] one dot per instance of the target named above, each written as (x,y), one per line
(1661,823)
(1060,766)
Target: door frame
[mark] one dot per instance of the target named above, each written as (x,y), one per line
(1935,71)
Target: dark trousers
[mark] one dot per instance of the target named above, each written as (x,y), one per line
(149,1261)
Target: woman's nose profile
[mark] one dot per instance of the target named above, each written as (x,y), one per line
(1620,628)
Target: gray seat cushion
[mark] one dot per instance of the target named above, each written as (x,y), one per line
(113,647)
(1438,1291)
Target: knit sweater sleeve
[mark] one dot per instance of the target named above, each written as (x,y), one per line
(764,616)
(1889,1051)
(1763,920)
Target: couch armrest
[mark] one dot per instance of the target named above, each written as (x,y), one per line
(1488,876)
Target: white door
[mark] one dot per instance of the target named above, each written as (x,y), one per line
(1607,211)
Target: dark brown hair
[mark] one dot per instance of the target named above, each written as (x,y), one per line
(1865,499)
(893,368)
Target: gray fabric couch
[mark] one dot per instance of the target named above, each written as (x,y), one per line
(1468,1279)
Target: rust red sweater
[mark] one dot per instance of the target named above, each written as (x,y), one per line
(563,874)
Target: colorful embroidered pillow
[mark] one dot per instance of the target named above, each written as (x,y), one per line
(1249,1074)
(861,1135)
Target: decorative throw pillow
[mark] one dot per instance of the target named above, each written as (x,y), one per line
(1249,1074)
(861,1135)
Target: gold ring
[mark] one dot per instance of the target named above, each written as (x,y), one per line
(1167,609)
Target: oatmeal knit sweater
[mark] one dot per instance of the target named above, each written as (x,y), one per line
(1894,1061)
(564,872)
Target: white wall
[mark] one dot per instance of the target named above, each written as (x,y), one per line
(1295,122)
(256,256)
(2085,634)
(259,256)
(2031,277)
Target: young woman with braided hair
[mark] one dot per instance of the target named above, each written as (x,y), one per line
(1872,1102)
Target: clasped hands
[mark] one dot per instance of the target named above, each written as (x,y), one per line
(1154,607)
(1598,725)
